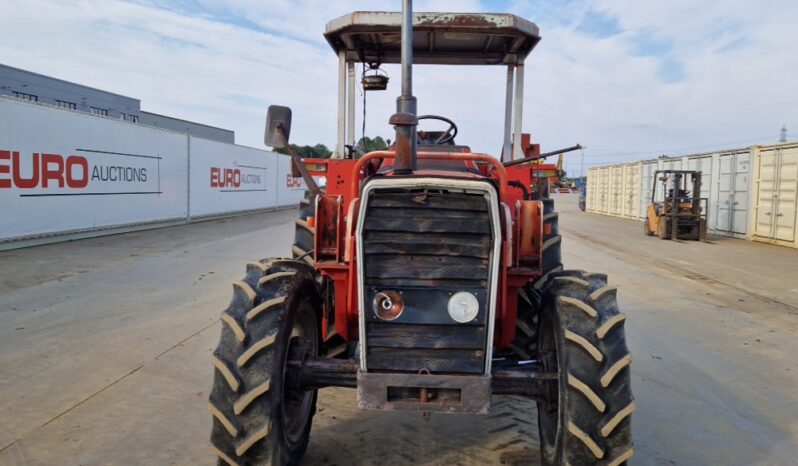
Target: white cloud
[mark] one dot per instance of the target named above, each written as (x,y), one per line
(738,64)
(222,63)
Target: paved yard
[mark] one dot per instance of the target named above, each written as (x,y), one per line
(105,342)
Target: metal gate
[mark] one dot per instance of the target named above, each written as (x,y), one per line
(777,188)
(731,207)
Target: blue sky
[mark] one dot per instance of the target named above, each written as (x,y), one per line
(628,79)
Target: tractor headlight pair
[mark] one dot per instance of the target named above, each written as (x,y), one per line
(463,306)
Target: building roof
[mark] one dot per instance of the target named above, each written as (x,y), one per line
(44,76)
(142,112)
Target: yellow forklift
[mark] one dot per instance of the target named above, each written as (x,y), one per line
(675,212)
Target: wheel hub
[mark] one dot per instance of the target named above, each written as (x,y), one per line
(298,401)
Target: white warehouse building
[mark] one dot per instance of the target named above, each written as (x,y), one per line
(38,88)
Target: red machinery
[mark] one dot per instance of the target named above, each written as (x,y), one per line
(426,276)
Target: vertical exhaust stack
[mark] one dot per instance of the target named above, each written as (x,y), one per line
(405,119)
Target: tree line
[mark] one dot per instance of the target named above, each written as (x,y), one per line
(321,151)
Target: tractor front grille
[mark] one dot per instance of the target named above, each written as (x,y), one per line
(426,244)
(437,348)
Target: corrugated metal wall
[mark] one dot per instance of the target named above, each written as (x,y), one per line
(601,192)
(751,192)
(616,190)
(630,207)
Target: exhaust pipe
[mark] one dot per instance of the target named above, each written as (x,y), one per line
(405,120)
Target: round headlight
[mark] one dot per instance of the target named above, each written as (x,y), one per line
(463,307)
(388,305)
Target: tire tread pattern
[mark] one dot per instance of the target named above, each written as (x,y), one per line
(596,397)
(244,399)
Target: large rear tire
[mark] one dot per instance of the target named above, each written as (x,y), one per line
(581,336)
(257,418)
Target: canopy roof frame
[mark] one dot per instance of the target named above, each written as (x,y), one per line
(438,39)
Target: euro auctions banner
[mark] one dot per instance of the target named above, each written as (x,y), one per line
(291,190)
(65,171)
(227,178)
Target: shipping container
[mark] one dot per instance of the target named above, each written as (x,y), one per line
(591,190)
(602,190)
(647,187)
(631,191)
(703,163)
(598,190)
(671,163)
(615,190)
(775,208)
(606,190)
(730,206)
(751,193)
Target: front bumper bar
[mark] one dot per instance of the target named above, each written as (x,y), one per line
(423,392)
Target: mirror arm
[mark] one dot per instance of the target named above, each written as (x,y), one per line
(303,170)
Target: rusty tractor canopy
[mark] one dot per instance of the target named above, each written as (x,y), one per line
(438,38)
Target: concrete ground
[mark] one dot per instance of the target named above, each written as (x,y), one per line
(104,348)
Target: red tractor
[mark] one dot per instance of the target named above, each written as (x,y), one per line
(425,276)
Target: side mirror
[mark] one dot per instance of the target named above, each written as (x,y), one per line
(278,126)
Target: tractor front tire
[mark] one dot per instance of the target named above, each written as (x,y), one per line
(586,420)
(259,419)
(551,259)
